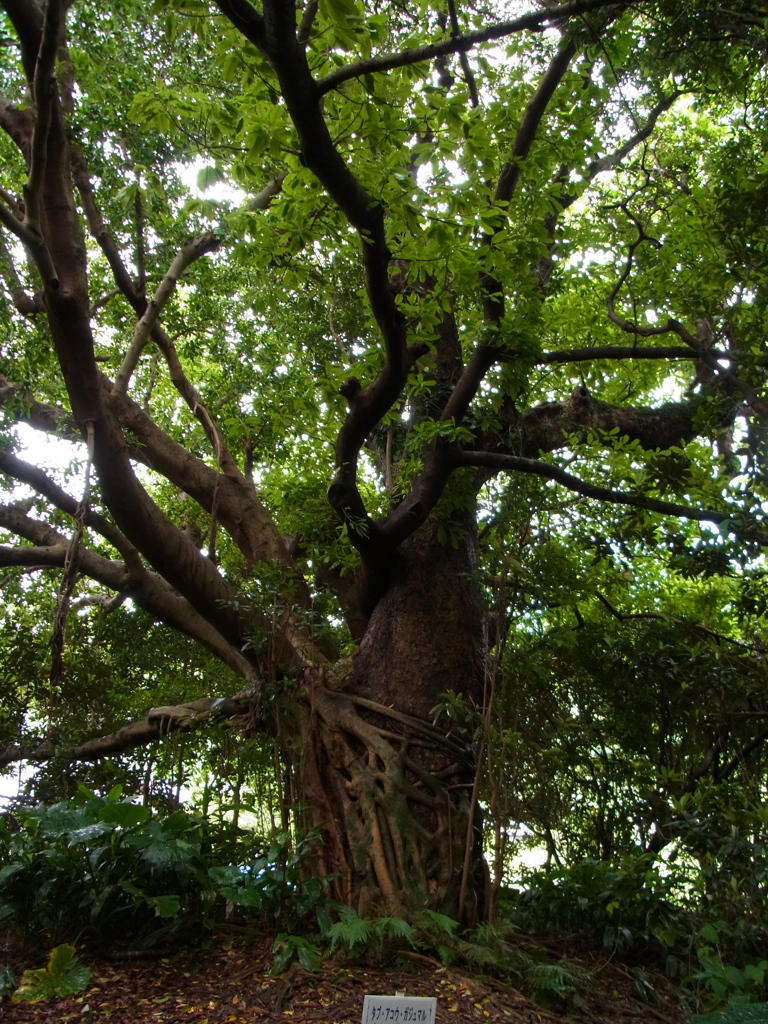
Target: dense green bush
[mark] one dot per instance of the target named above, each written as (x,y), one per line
(629,907)
(101,869)
(702,918)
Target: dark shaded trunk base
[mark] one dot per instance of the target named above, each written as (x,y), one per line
(390,796)
(389,792)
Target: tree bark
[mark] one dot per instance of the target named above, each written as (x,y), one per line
(388,790)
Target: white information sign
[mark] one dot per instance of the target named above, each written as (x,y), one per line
(399,1009)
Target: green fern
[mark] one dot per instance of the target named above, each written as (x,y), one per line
(294,947)
(432,922)
(392,929)
(563,981)
(488,950)
(350,931)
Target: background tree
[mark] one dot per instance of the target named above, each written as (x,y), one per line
(474,347)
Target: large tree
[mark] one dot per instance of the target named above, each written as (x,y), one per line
(443,267)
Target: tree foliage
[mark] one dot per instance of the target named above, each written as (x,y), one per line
(411,360)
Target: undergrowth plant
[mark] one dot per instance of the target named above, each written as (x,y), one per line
(63,976)
(486,949)
(630,907)
(702,920)
(101,868)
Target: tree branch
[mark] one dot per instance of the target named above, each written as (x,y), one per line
(546,427)
(583,355)
(700,352)
(659,617)
(263,198)
(101,233)
(232,499)
(193,250)
(225,461)
(148,316)
(564,200)
(48,418)
(439,463)
(39,481)
(27,20)
(141,242)
(660,837)
(240,512)
(274,34)
(48,550)
(44,95)
(670,327)
(156,726)
(106,603)
(44,91)
(516,463)
(469,78)
(529,126)
(708,760)
(535,22)
(19,229)
(69,576)
(18,126)
(307,21)
(608,162)
(423,497)
(740,757)
(246,20)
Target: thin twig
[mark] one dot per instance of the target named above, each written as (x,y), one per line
(192,251)
(71,565)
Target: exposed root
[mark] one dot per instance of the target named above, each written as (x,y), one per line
(392,805)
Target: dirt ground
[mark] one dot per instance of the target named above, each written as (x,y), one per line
(229,982)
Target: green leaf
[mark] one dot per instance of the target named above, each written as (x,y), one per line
(209,176)
(64,976)
(340,11)
(751,1013)
(10,870)
(226,874)
(309,958)
(165,906)
(126,815)
(246,896)
(35,986)
(88,833)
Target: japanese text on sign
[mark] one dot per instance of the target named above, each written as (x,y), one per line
(399,1010)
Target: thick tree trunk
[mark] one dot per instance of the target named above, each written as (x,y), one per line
(389,791)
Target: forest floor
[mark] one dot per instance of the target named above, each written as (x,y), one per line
(229,982)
